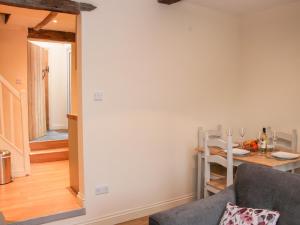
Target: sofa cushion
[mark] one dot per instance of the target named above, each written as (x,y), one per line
(261,187)
(235,215)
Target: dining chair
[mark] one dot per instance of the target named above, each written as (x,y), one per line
(213,184)
(287,141)
(213,134)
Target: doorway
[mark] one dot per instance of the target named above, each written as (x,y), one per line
(46,83)
(49,78)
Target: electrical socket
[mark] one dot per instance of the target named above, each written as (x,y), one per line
(102,189)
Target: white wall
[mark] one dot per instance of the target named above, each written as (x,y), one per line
(58,83)
(13,55)
(58,86)
(271,69)
(164,71)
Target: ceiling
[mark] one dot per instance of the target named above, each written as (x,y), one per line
(242,6)
(30,18)
(67,22)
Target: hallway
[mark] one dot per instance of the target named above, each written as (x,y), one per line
(33,196)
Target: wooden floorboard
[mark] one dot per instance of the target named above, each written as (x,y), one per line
(141,221)
(43,193)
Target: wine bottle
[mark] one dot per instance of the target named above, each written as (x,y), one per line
(264,140)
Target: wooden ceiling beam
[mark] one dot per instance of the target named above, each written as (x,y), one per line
(47,20)
(51,35)
(63,6)
(168,2)
(5,17)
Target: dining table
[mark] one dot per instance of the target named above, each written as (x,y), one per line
(254,157)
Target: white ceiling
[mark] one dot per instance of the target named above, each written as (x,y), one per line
(30,18)
(242,6)
(67,22)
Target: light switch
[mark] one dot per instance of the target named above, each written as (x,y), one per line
(98,96)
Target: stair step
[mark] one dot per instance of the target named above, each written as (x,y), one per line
(44,145)
(49,155)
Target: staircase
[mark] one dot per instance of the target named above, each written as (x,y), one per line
(14,127)
(49,151)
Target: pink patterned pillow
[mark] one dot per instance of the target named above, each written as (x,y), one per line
(235,215)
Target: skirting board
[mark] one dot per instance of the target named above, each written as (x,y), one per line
(19,174)
(58,127)
(139,212)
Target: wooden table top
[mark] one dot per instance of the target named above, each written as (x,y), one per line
(254,158)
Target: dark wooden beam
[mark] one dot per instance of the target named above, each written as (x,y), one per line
(6,17)
(47,20)
(168,2)
(64,6)
(52,35)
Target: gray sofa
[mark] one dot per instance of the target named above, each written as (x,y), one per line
(254,186)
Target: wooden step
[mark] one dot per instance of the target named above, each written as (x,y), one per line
(44,145)
(49,155)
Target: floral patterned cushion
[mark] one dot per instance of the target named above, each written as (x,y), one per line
(235,215)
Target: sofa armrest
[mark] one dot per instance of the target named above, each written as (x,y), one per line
(203,212)
(2,220)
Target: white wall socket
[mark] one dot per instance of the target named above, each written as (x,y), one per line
(101,189)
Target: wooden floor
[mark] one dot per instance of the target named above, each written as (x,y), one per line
(42,193)
(141,221)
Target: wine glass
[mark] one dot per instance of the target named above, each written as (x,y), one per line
(274,137)
(242,134)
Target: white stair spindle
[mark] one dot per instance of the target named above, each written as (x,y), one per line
(1,112)
(12,119)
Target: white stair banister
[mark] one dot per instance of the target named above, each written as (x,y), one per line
(13,109)
(1,111)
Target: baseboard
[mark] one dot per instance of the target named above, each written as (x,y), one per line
(19,174)
(139,212)
(58,127)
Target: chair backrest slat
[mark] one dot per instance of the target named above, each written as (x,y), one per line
(287,141)
(285,136)
(211,133)
(217,142)
(217,159)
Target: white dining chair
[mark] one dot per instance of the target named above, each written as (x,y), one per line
(214,184)
(286,141)
(213,134)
